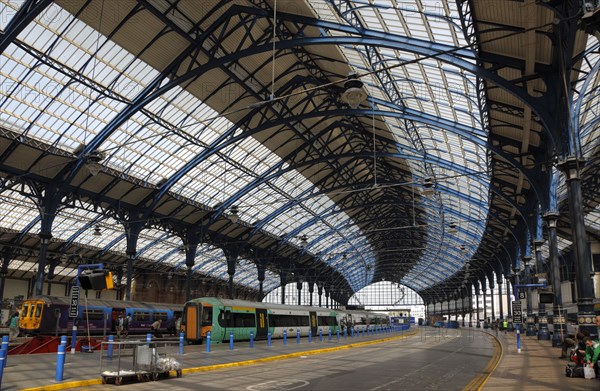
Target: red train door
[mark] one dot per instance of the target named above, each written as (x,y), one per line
(113,317)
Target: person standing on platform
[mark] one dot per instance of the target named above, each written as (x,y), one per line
(119,325)
(126,323)
(14,326)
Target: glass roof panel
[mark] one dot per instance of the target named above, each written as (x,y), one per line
(438,89)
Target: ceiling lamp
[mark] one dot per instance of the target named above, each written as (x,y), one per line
(428,188)
(452,228)
(92,162)
(233,215)
(354,93)
(303,241)
(97,231)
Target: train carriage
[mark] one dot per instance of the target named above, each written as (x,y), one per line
(222,317)
(49,315)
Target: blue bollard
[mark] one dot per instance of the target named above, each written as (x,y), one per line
(148,337)
(269,339)
(231,340)
(60,363)
(518,333)
(309,336)
(352,332)
(181,339)
(329,335)
(3,355)
(63,340)
(297,336)
(208,342)
(251,339)
(320,335)
(109,351)
(338,335)
(5,340)
(73,339)
(284,337)
(363,332)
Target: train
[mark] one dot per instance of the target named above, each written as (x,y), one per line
(222,317)
(49,315)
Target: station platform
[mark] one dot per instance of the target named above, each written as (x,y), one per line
(496,364)
(536,367)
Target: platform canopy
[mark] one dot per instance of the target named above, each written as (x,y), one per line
(336,142)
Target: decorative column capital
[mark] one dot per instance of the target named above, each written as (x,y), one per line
(551,218)
(571,167)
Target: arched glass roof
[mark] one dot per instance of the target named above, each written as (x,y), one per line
(208,111)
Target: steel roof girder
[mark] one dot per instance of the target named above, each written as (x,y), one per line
(29,10)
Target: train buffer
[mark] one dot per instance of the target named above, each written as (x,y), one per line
(126,361)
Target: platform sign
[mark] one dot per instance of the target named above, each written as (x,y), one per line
(74,307)
(522,295)
(517,315)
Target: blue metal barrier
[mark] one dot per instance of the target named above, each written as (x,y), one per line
(109,349)
(297,336)
(181,340)
(60,363)
(251,339)
(208,342)
(231,340)
(5,340)
(284,337)
(3,355)
(269,339)
(73,339)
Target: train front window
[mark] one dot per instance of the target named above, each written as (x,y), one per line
(24,311)
(32,308)
(207,316)
(38,310)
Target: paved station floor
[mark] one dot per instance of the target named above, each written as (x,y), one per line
(419,359)
(536,367)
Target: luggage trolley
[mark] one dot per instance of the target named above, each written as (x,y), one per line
(139,361)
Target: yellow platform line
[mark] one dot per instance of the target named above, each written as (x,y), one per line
(91,382)
(480,380)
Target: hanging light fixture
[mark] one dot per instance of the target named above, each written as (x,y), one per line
(428,187)
(233,214)
(97,231)
(354,93)
(303,241)
(452,228)
(92,162)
